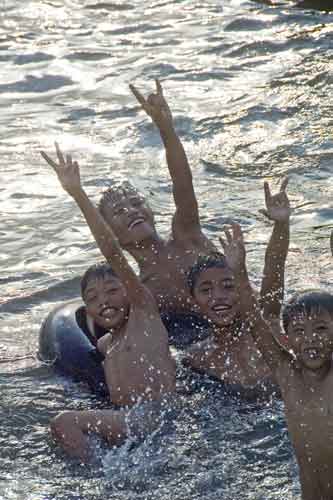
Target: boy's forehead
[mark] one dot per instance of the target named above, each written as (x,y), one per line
(119,194)
(316,313)
(94,281)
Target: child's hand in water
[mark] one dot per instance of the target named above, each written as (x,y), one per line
(155,106)
(67,170)
(234,248)
(277,205)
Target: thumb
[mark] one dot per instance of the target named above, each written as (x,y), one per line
(264,212)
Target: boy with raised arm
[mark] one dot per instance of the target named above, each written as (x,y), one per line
(138,365)
(230,355)
(163,264)
(303,371)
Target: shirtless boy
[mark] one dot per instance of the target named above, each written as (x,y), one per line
(230,354)
(304,371)
(163,264)
(138,365)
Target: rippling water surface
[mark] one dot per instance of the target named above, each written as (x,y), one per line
(250,86)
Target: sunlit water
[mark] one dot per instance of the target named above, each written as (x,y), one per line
(250,87)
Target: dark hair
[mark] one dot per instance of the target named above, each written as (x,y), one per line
(216,259)
(99,270)
(307,302)
(124,188)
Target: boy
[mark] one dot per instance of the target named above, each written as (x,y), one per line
(138,365)
(304,371)
(230,354)
(163,264)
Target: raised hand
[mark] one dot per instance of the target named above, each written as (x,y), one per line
(277,205)
(155,106)
(67,170)
(234,248)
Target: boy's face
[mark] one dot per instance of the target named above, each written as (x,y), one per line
(215,294)
(106,301)
(129,216)
(311,338)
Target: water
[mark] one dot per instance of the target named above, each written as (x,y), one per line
(249,85)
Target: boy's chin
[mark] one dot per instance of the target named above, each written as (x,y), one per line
(315,364)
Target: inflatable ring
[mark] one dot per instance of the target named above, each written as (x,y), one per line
(64,344)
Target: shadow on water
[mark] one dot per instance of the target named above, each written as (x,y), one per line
(323,5)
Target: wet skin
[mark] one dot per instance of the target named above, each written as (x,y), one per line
(306,385)
(231,354)
(163,264)
(106,302)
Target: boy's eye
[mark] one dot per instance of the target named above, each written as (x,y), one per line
(91,298)
(298,331)
(228,285)
(205,290)
(119,211)
(321,328)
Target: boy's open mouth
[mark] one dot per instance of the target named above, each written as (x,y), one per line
(221,309)
(107,312)
(135,222)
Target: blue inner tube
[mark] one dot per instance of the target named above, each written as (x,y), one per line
(64,344)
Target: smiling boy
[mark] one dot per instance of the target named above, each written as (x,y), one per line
(163,264)
(139,369)
(303,370)
(231,355)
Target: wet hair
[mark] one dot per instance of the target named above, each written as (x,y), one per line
(215,259)
(100,270)
(115,191)
(308,302)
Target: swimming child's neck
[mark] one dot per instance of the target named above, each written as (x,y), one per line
(145,252)
(228,335)
(313,377)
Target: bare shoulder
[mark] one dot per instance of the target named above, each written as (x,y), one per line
(192,234)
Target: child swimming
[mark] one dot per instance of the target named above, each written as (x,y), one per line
(303,371)
(231,355)
(163,264)
(138,365)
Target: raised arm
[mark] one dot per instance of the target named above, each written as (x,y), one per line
(186,219)
(68,172)
(234,250)
(272,286)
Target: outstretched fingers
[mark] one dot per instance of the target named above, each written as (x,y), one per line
(284,184)
(59,154)
(158,87)
(268,195)
(49,160)
(139,96)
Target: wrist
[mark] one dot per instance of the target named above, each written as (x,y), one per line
(78,194)
(167,132)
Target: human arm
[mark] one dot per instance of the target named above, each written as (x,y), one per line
(186,219)
(68,172)
(234,251)
(272,286)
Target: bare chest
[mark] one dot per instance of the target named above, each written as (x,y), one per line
(241,365)
(309,412)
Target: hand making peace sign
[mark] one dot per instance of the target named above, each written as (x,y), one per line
(67,170)
(155,106)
